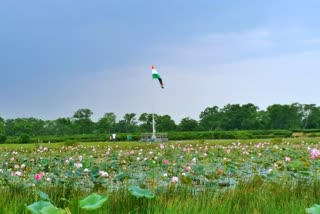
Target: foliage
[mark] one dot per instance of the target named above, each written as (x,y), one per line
(140,193)
(165,123)
(285,116)
(188,124)
(92,202)
(107,123)
(145,122)
(24,138)
(231,117)
(82,122)
(40,207)
(235,176)
(3,137)
(315,209)
(2,125)
(45,206)
(128,124)
(74,139)
(182,177)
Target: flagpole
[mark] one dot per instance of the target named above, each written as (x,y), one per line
(155,75)
(153,127)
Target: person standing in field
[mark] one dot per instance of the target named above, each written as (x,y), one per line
(110,138)
(114,137)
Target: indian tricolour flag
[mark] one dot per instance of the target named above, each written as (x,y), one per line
(155,75)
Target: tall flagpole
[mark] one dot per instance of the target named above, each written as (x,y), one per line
(153,128)
(155,75)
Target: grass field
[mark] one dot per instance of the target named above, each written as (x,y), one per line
(225,176)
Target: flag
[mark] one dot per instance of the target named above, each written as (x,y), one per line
(155,75)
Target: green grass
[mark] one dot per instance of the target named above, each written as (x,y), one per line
(249,197)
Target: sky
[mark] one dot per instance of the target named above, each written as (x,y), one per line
(60,56)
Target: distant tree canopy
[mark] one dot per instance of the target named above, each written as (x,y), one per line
(2,126)
(82,122)
(107,123)
(230,117)
(188,124)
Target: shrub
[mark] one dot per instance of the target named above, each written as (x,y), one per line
(3,137)
(24,138)
(71,143)
(242,135)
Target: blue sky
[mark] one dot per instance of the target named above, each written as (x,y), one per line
(60,56)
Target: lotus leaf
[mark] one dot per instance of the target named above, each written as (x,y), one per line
(92,202)
(140,193)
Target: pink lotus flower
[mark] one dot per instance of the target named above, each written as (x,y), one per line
(174,179)
(103,174)
(17,173)
(187,168)
(38,176)
(228,151)
(288,159)
(166,162)
(161,146)
(314,153)
(78,165)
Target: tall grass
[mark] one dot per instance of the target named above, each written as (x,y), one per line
(255,196)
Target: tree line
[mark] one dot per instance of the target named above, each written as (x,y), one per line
(230,117)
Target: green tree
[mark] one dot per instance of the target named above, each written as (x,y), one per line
(82,122)
(285,116)
(128,124)
(262,120)
(145,120)
(24,138)
(164,123)
(188,124)
(249,116)
(31,126)
(2,125)
(240,117)
(107,123)
(310,116)
(210,119)
(3,136)
(232,118)
(63,126)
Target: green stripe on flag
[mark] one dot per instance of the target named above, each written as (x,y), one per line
(155,76)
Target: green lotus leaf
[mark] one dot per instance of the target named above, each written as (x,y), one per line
(44,196)
(52,210)
(315,209)
(44,162)
(92,202)
(140,193)
(37,206)
(121,176)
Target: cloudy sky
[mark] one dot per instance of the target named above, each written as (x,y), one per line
(60,56)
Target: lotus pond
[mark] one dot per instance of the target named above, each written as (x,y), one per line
(175,177)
